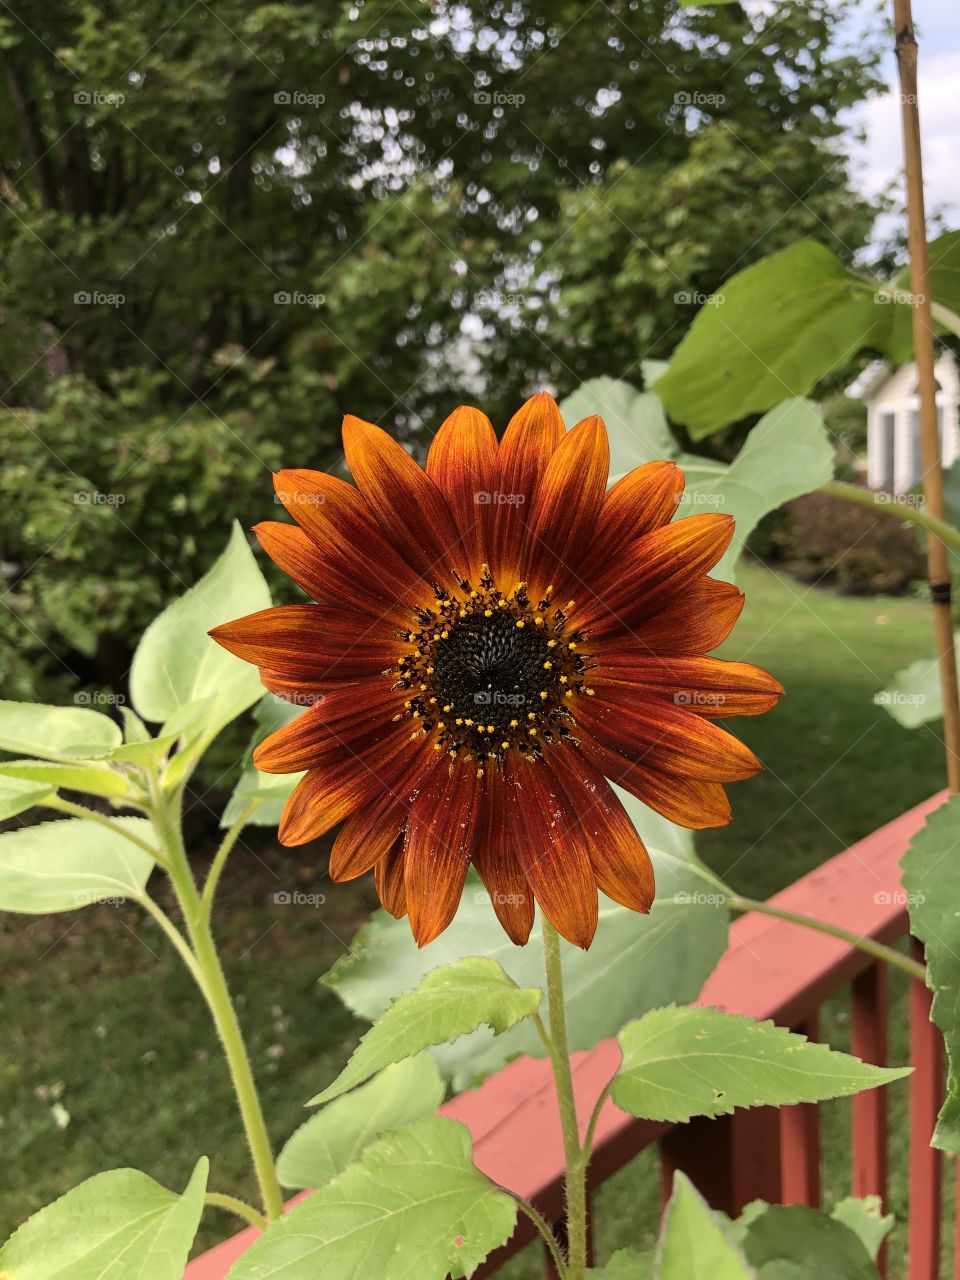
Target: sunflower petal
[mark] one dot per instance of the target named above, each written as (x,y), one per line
(499,868)
(664,736)
(617,855)
(689,802)
(656,570)
(409,508)
(697,622)
(367,835)
(440,840)
(388,877)
(539,821)
(532,435)
(313,643)
(566,506)
(708,687)
(643,500)
(340,721)
(462,464)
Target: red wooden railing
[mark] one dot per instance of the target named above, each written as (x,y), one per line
(771,969)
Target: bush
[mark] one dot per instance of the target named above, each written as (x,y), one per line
(858,550)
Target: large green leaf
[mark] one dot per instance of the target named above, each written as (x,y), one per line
(63,865)
(177,663)
(930,880)
(793,1242)
(342,1131)
(944,278)
(787,454)
(449,1003)
(694,1244)
(17,795)
(635,962)
(913,695)
(773,331)
(412,1208)
(56,733)
(119,1225)
(679,1063)
(625,1264)
(89,776)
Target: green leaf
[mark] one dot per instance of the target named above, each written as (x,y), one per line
(176,662)
(134,730)
(944,273)
(450,1002)
(56,733)
(693,1244)
(864,1216)
(787,454)
(341,1132)
(679,1063)
(775,330)
(930,882)
(63,865)
(913,696)
(17,795)
(412,1208)
(794,1242)
(95,779)
(635,963)
(271,789)
(116,1226)
(625,1264)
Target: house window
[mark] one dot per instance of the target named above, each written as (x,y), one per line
(887,427)
(916,462)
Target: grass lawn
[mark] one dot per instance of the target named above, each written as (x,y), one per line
(108,1058)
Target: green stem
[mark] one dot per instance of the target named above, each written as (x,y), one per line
(876,949)
(216,1200)
(594,1119)
(540,1222)
(895,507)
(214,987)
(91,815)
(563,1076)
(175,936)
(221,856)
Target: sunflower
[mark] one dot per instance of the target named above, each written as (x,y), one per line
(493,638)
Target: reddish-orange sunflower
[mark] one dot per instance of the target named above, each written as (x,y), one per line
(494,638)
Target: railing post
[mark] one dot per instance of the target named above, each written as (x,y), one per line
(926,1163)
(731,1160)
(868,1041)
(800,1139)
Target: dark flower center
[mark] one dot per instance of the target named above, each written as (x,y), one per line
(489,671)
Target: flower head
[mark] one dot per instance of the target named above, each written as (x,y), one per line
(494,638)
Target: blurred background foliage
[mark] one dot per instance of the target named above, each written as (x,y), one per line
(220,239)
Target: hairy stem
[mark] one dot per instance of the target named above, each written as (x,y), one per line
(895,507)
(221,856)
(876,949)
(217,994)
(563,1077)
(540,1222)
(216,1200)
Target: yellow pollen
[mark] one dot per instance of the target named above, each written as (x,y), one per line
(448,706)
(571,603)
(443,636)
(459,720)
(551,644)
(543,695)
(532,733)
(531,715)
(490,728)
(488,613)
(520,625)
(505,745)
(463,613)
(547,666)
(433,701)
(563,680)
(571,645)
(514,723)
(568,693)
(589,692)
(538,621)
(438,746)
(468,722)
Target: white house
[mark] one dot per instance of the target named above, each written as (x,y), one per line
(893,428)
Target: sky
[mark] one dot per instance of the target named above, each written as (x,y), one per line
(938,35)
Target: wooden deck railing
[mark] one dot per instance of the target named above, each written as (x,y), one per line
(771,969)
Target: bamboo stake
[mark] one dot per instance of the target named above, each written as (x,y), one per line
(938,567)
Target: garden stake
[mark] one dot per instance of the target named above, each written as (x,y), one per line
(937,562)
